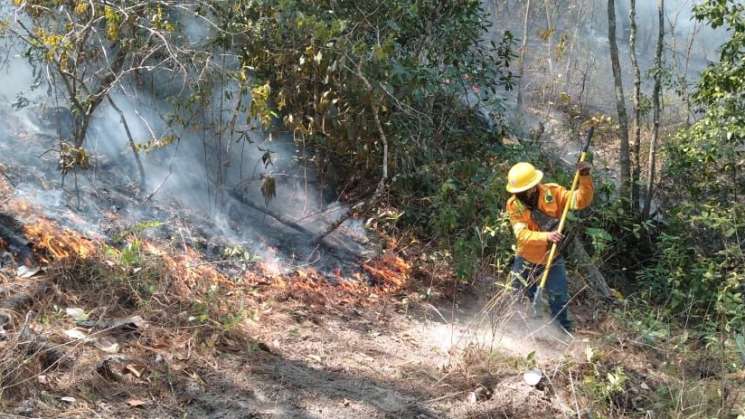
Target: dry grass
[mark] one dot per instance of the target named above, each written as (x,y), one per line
(194,318)
(191,314)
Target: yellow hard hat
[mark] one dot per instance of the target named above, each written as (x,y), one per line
(522,177)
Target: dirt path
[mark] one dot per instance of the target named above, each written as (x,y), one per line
(381,363)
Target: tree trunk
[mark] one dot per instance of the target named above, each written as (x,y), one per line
(549,91)
(132,145)
(107,83)
(636,173)
(656,107)
(686,93)
(549,38)
(623,120)
(521,66)
(579,16)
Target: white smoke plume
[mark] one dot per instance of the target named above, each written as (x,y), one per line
(181,177)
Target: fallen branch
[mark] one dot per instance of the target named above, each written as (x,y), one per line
(16,241)
(18,300)
(347,215)
(282,219)
(50,354)
(313,238)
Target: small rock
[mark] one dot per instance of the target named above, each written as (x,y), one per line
(472,397)
(68,399)
(107,346)
(135,403)
(26,408)
(192,390)
(532,377)
(482,393)
(76,334)
(26,272)
(125,325)
(77,314)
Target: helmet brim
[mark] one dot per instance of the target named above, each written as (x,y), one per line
(536,180)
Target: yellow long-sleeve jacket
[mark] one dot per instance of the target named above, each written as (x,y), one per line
(532,243)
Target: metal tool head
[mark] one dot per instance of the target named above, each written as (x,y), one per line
(537,304)
(588,139)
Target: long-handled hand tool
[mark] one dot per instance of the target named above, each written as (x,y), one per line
(538,298)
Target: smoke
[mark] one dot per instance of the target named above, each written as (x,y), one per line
(580,65)
(190,180)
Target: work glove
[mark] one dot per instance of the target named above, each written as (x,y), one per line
(584,168)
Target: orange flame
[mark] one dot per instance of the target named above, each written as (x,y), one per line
(391,271)
(58,243)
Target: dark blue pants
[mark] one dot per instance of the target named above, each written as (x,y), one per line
(526,276)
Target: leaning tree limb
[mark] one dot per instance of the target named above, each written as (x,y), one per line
(596,279)
(313,237)
(132,144)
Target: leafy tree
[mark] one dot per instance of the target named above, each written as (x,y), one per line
(623,119)
(386,95)
(330,69)
(90,47)
(699,265)
(657,109)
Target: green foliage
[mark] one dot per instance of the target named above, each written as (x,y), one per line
(600,238)
(652,326)
(698,270)
(740,346)
(620,241)
(137,229)
(724,81)
(603,383)
(346,76)
(240,254)
(464,209)
(130,255)
(314,60)
(92,45)
(156,144)
(207,310)
(698,266)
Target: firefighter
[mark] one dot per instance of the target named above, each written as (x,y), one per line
(534,210)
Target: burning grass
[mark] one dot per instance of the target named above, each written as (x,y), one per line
(189,312)
(53,243)
(139,321)
(390,271)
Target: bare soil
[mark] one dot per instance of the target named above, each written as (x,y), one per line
(304,354)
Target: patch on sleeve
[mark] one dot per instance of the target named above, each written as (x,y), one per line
(548,197)
(518,207)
